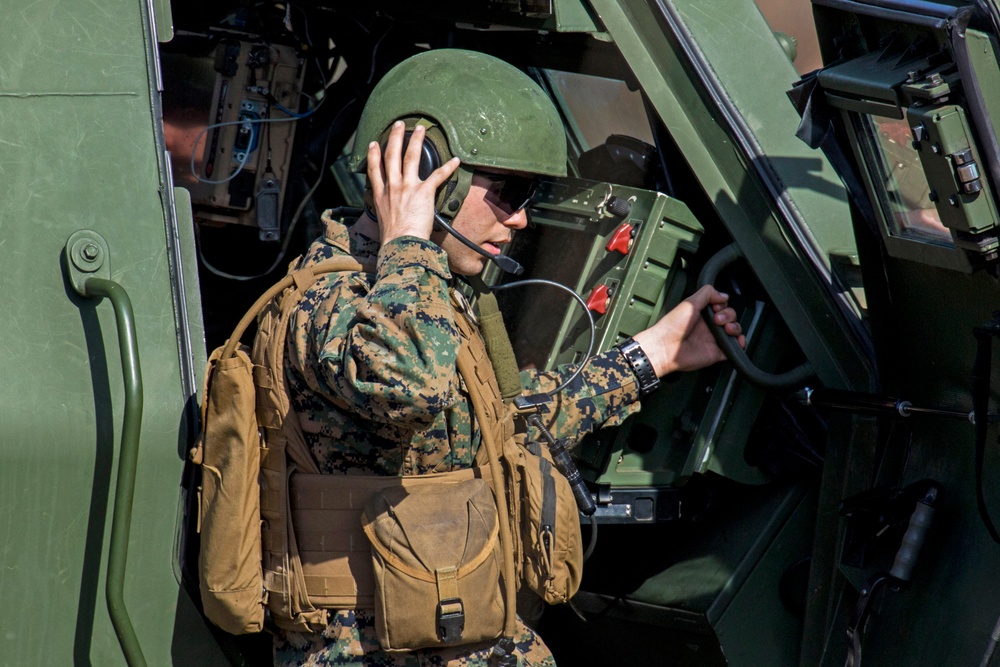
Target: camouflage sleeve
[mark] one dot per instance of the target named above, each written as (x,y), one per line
(395,360)
(604,394)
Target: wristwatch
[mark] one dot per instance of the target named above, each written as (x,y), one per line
(640,364)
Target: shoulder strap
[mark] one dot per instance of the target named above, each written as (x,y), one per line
(302,279)
(287,451)
(268,357)
(487,416)
(497,340)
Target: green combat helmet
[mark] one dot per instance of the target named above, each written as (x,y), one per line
(475,106)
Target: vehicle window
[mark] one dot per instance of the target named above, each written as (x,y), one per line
(597,108)
(905,194)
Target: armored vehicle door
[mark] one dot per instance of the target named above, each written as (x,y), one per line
(101,344)
(905,106)
(713,503)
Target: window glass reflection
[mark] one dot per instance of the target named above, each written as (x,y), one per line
(903,186)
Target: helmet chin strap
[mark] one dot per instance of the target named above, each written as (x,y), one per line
(505,264)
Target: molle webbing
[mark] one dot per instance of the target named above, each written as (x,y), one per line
(284,451)
(333,556)
(244,402)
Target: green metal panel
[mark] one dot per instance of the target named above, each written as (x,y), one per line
(947,614)
(750,636)
(705,594)
(163,20)
(80,147)
(662,42)
(574,16)
(982,50)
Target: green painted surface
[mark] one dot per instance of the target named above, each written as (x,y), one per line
(749,637)
(78,150)
(164,21)
(756,87)
(757,83)
(983,57)
(574,16)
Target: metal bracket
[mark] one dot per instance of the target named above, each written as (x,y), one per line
(87,256)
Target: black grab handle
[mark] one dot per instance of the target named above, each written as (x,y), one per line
(793,378)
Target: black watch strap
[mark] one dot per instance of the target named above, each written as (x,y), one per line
(641,366)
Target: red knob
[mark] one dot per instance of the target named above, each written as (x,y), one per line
(598,299)
(620,240)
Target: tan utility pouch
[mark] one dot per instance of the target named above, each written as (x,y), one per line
(229,520)
(551,544)
(437,560)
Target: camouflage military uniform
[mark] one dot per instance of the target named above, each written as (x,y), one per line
(371,368)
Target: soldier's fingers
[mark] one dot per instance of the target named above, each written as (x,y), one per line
(393,149)
(715,296)
(441,175)
(376,173)
(411,157)
(706,295)
(725,316)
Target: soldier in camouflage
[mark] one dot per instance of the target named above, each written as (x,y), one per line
(371,362)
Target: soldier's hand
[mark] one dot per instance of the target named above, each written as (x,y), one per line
(403,202)
(681,341)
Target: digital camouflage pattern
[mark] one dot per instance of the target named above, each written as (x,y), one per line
(349,640)
(371,368)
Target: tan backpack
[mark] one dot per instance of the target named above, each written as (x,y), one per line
(243,443)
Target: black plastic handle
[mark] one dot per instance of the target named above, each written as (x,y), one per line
(916,534)
(793,378)
(564,462)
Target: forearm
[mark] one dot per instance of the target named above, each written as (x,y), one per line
(604,394)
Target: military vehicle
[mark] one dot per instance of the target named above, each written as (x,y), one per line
(825,497)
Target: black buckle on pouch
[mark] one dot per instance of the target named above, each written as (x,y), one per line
(450,620)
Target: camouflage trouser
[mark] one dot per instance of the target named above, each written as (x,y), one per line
(349,641)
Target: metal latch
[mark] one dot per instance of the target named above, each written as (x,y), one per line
(966,171)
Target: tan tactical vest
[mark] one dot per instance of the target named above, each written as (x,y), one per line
(325,562)
(276,533)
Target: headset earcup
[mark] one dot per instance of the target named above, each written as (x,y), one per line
(435,152)
(450,195)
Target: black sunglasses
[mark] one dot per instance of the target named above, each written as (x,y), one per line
(509,192)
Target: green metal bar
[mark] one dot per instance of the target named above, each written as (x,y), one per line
(121,522)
